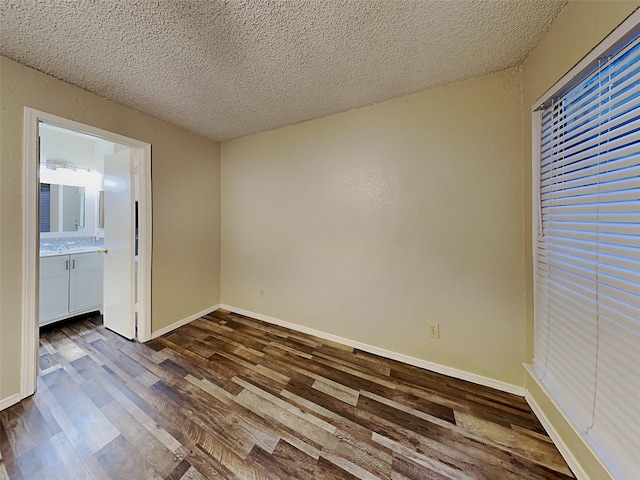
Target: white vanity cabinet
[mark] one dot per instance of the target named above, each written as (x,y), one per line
(54,288)
(85,282)
(70,285)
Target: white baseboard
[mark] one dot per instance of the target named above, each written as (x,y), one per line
(417,362)
(559,442)
(562,447)
(184,321)
(10,400)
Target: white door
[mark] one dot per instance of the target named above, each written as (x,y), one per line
(118,307)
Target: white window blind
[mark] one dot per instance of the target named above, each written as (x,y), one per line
(587,289)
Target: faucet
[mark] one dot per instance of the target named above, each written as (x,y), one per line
(65,246)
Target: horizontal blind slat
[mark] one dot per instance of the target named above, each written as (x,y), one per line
(621,207)
(620,159)
(590,216)
(612,121)
(621,316)
(592,175)
(597,227)
(589,150)
(612,196)
(594,112)
(616,416)
(608,238)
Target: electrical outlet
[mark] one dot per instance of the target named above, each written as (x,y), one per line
(261,292)
(434,330)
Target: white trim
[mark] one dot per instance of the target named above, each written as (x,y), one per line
(30,259)
(553,433)
(9,401)
(145,245)
(536,214)
(536,209)
(618,35)
(417,362)
(184,321)
(67,124)
(558,441)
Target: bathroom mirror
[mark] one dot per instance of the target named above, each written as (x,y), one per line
(62,208)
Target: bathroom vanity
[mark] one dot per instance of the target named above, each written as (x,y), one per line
(70,283)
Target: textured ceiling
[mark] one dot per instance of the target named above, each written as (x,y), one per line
(226,69)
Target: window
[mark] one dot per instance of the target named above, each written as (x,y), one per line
(587,255)
(45,207)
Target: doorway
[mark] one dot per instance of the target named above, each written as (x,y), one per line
(113,214)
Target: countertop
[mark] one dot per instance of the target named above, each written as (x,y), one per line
(70,251)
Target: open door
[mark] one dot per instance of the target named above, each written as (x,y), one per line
(118,303)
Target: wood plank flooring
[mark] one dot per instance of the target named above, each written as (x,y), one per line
(230,397)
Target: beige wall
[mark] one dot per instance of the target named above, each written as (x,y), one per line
(186,203)
(576,31)
(371,223)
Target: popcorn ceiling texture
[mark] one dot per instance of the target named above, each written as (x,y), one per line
(226,69)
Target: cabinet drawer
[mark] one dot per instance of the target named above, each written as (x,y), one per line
(86,261)
(54,266)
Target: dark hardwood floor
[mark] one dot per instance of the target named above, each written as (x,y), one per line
(230,397)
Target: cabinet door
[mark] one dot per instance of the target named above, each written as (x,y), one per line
(85,282)
(54,288)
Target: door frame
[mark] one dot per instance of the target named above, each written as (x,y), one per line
(31,234)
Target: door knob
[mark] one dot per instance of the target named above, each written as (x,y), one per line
(103,251)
